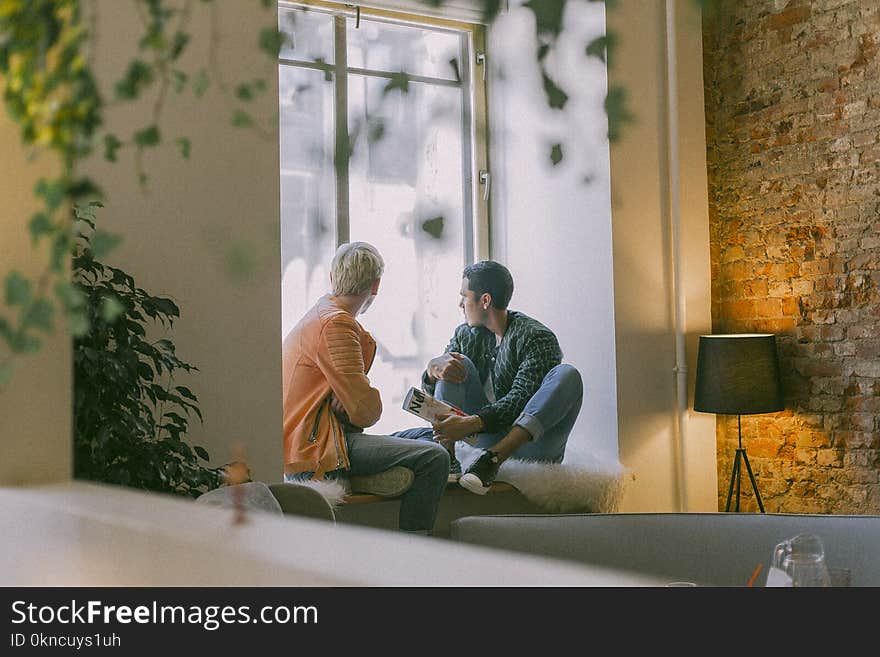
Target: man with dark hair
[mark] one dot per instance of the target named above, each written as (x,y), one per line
(504,370)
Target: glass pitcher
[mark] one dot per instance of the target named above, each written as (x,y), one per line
(802,558)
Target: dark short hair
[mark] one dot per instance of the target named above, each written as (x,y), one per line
(492,277)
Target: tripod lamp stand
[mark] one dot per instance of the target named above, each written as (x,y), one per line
(738,375)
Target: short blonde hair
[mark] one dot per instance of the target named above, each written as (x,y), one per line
(355,267)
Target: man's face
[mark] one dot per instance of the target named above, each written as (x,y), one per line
(369,301)
(474,313)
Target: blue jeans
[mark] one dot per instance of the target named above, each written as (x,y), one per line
(372,454)
(548,416)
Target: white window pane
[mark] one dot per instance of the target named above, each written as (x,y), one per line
(308,236)
(406,198)
(393,48)
(309,35)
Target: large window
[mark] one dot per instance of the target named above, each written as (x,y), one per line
(379,144)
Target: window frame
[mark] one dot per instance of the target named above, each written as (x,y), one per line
(475,144)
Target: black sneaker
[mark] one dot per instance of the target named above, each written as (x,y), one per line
(454,470)
(481,473)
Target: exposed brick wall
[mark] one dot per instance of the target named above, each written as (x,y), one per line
(793,130)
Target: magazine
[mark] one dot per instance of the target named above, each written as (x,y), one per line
(420,403)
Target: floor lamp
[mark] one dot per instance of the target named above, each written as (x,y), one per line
(738,375)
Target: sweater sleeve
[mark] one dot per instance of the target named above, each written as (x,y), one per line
(455,344)
(341,360)
(542,353)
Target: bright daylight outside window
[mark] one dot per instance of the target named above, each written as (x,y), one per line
(377,115)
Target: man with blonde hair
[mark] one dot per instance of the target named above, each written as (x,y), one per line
(328,399)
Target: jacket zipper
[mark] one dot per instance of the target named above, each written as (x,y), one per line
(314,435)
(339,461)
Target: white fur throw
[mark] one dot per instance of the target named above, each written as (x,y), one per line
(333,490)
(592,485)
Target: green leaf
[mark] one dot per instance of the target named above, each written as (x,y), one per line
(82,188)
(86,211)
(241,119)
(18,289)
(39,315)
(178,80)
(328,74)
(111,309)
(556,154)
(203,454)
(7,369)
(183,144)
(556,97)
(376,131)
(201,83)
(617,111)
(456,71)
(240,262)
(434,227)
(78,324)
(139,75)
(398,81)
(543,50)
(271,40)
(111,145)
(60,250)
(51,191)
(244,92)
(103,243)
(601,47)
(186,392)
(147,137)
(25,344)
(548,15)
(169,308)
(70,296)
(178,44)
(39,225)
(490,9)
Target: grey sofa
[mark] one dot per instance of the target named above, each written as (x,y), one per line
(715,549)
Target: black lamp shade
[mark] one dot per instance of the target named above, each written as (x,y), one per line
(738,375)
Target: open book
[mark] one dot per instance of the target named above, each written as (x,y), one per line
(422,404)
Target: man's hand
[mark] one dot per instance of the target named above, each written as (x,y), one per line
(339,411)
(447,367)
(455,427)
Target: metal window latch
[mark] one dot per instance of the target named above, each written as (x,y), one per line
(486,182)
(481,61)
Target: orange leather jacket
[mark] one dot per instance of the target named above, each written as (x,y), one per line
(328,351)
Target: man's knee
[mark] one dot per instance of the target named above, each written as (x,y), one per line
(438,457)
(468,365)
(567,376)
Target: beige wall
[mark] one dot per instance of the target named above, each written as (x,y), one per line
(197,215)
(672,473)
(35,407)
(226,198)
